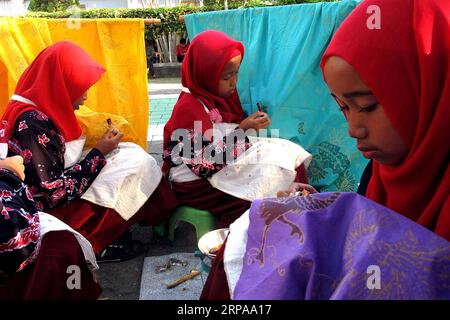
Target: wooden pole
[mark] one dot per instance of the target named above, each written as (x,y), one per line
(152,21)
(184,278)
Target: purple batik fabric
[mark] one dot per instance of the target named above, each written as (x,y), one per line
(340,246)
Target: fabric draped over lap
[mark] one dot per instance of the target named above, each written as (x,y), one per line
(116,44)
(127,180)
(232,255)
(281,70)
(267,167)
(49,223)
(333,246)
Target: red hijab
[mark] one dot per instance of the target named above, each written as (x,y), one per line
(406,64)
(56,78)
(202,67)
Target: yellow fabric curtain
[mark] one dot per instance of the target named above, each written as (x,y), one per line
(116,44)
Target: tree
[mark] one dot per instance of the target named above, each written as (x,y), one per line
(252,3)
(288,2)
(51,5)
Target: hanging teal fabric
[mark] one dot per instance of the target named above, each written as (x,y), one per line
(283,48)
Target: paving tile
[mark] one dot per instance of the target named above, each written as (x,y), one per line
(122,280)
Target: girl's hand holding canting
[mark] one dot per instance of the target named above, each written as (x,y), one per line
(257,121)
(109,141)
(295,187)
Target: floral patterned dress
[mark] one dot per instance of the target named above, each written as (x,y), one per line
(19,225)
(40,143)
(203,156)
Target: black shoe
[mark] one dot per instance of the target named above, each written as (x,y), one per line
(162,240)
(120,251)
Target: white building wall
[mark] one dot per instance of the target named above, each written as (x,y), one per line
(131,4)
(98,4)
(168,3)
(12,8)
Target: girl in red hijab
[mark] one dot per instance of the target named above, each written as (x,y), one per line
(388,67)
(209,77)
(39,120)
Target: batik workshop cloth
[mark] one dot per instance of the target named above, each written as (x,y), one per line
(127,180)
(336,246)
(267,167)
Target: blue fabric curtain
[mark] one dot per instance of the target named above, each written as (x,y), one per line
(281,70)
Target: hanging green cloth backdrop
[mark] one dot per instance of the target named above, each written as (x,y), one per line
(284,46)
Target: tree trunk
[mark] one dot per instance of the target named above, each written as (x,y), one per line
(163,47)
(149,3)
(172,45)
(167,44)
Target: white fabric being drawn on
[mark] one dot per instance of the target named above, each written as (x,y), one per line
(267,167)
(50,223)
(126,181)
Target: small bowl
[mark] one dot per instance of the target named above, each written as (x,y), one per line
(211,240)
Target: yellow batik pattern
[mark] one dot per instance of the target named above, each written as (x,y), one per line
(116,44)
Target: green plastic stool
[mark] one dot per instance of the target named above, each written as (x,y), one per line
(202,220)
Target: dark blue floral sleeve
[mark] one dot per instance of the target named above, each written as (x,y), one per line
(19,225)
(42,146)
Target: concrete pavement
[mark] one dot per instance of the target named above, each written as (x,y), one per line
(163,94)
(122,280)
